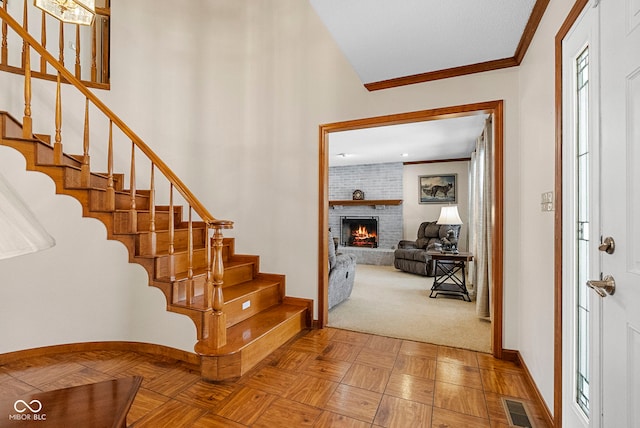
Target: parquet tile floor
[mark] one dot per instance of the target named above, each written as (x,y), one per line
(323,378)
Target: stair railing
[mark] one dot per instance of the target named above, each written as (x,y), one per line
(213,296)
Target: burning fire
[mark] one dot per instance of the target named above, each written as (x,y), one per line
(361,234)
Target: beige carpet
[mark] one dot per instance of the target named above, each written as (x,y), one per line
(388,302)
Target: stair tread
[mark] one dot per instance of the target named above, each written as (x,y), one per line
(248,331)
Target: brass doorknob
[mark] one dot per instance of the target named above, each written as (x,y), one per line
(608,245)
(604,288)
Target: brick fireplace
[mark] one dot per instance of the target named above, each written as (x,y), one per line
(382,186)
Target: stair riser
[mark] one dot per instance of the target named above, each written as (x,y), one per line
(237,308)
(161,220)
(254,303)
(10,128)
(44,156)
(232,274)
(180,241)
(181,262)
(123,221)
(179,293)
(231,366)
(237,274)
(98,201)
(73,179)
(118,180)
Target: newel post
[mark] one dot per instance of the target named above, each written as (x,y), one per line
(217,332)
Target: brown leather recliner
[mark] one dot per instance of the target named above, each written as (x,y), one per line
(411,256)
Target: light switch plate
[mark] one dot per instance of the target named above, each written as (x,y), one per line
(546,201)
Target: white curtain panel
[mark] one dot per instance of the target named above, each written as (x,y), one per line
(482,194)
(472,237)
(20,231)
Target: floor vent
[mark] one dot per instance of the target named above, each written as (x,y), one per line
(517,413)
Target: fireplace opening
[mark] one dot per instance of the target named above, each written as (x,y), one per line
(359,232)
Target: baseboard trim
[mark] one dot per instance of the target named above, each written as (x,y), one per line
(516,357)
(511,355)
(191,359)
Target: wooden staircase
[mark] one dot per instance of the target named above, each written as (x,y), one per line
(241,315)
(259,317)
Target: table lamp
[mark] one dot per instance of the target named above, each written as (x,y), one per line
(449,216)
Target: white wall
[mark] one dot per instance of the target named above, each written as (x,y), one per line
(536,246)
(230,94)
(83,289)
(415,213)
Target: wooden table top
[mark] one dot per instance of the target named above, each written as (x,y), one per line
(103,404)
(462,255)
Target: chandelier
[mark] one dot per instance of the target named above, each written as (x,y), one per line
(79,12)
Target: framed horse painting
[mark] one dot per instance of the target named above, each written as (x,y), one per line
(438,189)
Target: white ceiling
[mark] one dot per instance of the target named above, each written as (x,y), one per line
(392,39)
(387,39)
(431,140)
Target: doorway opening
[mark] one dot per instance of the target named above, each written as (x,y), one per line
(492,108)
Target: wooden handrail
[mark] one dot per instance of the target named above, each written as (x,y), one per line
(179,186)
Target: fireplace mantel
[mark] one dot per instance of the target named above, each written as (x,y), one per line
(351,202)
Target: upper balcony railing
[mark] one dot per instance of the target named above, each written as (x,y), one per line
(84,50)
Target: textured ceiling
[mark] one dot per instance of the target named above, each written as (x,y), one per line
(388,39)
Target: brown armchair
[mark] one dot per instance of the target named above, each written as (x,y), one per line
(411,256)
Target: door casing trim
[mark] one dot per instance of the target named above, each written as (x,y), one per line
(496,109)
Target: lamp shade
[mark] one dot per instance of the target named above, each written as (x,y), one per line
(20,231)
(449,215)
(79,12)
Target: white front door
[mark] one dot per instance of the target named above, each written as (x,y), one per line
(601,182)
(620,210)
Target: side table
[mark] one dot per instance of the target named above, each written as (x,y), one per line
(447,265)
